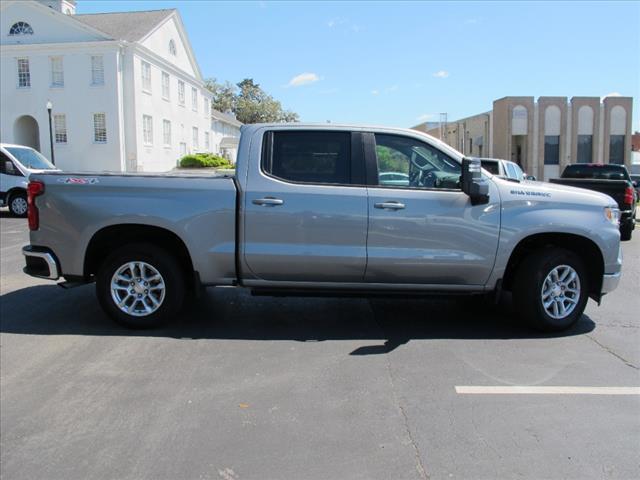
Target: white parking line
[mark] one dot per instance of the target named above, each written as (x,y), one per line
(544,390)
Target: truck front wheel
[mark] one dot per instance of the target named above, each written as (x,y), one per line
(140,286)
(550,289)
(18,204)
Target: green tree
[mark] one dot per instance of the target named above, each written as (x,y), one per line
(249,102)
(224,95)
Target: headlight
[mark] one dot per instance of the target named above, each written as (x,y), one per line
(612,214)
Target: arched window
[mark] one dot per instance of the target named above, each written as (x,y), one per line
(172,47)
(21,28)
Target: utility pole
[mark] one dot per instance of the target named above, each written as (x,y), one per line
(443,125)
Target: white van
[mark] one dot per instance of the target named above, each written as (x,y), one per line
(17,162)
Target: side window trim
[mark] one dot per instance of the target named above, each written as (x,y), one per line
(357,166)
(371,162)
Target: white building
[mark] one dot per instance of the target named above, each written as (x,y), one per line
(225,129)
(126,90)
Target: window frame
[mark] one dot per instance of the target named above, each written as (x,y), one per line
(547,146)
(56,131)
(195,138)
(182,100)
(106,137)
(24,29)
(145,67)
(166,132)
(165,76)
(147,134)
(356,167)
(373,172)
(56,60)
(27,73)
(94,60)
(194,99)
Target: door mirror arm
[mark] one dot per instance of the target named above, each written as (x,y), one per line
(472,182)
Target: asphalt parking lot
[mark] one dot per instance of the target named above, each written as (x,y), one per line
(248,387)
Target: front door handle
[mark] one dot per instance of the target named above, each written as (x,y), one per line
(268,201)
(390,205)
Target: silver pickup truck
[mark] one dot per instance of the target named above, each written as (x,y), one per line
(326,210)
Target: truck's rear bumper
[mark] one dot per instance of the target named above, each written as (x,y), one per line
(40,262)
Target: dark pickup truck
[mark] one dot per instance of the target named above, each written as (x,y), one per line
(612,180)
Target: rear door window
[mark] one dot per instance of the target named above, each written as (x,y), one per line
(491,167)
(309,156)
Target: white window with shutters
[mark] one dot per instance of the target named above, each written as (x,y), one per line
(97,70)
(99,128)
(166,86)
(60,128)
(194,99)
(24,73)
(147,129)
(146,76)
(166,133)
(57,72)
(194,140)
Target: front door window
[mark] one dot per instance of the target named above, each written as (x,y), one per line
(405,162)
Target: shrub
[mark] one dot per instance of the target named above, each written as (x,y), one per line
(204,160)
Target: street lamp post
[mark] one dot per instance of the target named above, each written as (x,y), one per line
(49,108)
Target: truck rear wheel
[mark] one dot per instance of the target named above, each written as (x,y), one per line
(626,230)
(551,288)
(140,286)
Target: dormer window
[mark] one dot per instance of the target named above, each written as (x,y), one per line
(172,48)
(21,28)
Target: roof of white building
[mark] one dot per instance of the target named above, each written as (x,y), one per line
(226,117)
(128,26)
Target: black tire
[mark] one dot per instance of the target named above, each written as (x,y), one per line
(164,263)
(17,204)
(528,283)
(626,230)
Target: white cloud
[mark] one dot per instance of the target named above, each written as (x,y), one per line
(426,116)
(303,79)
(612,94)
(392,88)
(375,92)
(345,24)
(441,74)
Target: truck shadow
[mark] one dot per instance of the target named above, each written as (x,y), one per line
(229,314)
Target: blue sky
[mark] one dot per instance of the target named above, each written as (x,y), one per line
(399,63)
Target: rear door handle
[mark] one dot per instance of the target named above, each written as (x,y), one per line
(268,201)
(390,205)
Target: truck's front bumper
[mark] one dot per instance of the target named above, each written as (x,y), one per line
(610,282)
(40,262)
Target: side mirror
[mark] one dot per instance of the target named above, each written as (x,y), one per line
(9,167)
(635,183)
(472,182)
(531,177)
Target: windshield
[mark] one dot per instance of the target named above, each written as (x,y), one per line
(31,159)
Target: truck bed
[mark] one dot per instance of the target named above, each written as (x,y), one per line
(199,209)
(614,188)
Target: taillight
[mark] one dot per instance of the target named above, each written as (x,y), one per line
(34,189)
(628,196)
